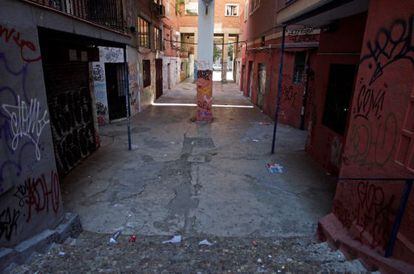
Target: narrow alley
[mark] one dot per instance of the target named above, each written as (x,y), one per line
(200,181)
(191,178)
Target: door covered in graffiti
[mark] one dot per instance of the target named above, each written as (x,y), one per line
(116,88)
(261,87)
(71,116)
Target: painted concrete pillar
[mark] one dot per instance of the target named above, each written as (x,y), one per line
(205,61)
(224,58)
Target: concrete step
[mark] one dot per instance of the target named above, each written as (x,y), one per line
(93,252)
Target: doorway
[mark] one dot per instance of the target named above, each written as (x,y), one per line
(261,74)
(158,78)
(250,79)
(243,69)
(338,96)
(116,90)
(169,76)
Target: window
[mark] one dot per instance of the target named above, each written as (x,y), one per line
(143,33)
(146,71)
(158,42)
(232,10)
(263,41)
(338,96)
(299,67)
(254,5)
(191,7)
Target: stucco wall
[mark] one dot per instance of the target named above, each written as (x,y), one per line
(30,199)
(380,142)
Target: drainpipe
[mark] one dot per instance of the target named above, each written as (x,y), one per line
(279,87)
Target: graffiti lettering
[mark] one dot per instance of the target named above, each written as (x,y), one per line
(374,213)
(289,94)
(36,196)
(204,74)
(98,73)
(344,213)
(9,94)
(72,127)
(206,103)
(111,55)
(8,223)
(204,92)
(390,45)
(26,121)
(24,45)
(380,143)
(369,101)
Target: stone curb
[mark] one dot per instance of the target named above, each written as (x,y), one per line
(69,227)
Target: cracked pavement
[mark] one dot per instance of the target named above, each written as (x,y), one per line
(196,178)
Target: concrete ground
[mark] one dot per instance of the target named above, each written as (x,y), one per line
(199,179)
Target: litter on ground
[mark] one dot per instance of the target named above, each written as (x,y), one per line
(205,242)
(274,168)
(174,240)
(114,237)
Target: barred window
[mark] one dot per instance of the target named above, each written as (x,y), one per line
(158,41)
(232,10)
(143,33)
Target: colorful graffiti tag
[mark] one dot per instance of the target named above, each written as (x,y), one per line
(204,95)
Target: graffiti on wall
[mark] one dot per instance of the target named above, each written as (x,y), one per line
(8,223)
(204,95)
(35,196)
(289,94)
(390,45)
(369,102)
(72,126)
(41,194)
(101,100)
(373,144)
(373,138)
(26,121)
(372,213)
(27,49)
(134,87)
(22,119)
(98,73)
(111,55)
(374,132)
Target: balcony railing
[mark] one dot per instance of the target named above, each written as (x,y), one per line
(107,13)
